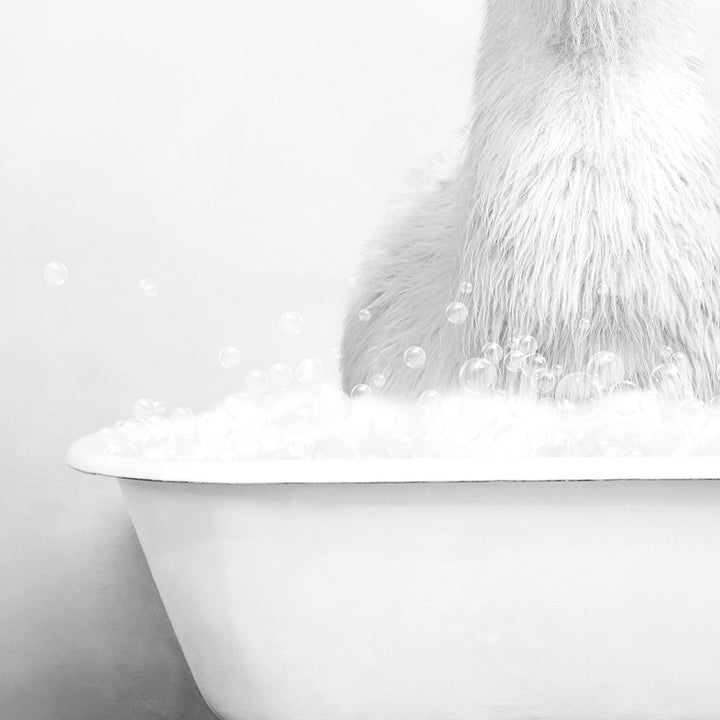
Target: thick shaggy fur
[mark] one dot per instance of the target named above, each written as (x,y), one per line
(591,158)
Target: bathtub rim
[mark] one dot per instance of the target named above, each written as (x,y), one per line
(87,456)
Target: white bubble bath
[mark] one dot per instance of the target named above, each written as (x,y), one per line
(535,411)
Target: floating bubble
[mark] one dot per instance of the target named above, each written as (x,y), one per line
(668,380)
(310,370)
(477,376)
(414,357)
(514,343)
(378,381)
(533,362)
(584,325)
(493,352)
(666,353)
(364,315)
(558,371)
(229,357)
(291,323)
(143,409)
(543,380)
(527,345)
(607,368)
(514,361)
(466,288)
(400,445)
(257,382)
(456,313)
(360,391)
(577,393)
(55,274)
(148,288)
(280,375)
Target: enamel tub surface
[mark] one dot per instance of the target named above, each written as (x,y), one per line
(428,590)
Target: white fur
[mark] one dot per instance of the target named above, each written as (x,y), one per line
(591,157)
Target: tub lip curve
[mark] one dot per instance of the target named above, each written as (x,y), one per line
(87,456)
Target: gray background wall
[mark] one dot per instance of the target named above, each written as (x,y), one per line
(236,153)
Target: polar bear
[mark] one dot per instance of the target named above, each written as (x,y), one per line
(583,207)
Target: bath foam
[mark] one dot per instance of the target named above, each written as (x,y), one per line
(322,422)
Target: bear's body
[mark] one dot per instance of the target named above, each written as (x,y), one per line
(588,187)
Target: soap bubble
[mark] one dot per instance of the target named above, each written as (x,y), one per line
(332,407)
(666,353)
(148,288)
(183,420)
(558,371)
(245,413)
(55,274)
(400,445)
(280,375)
(493,352)
(693,415)
(229,357)
(378,381)
(624,398)
(542,380)
(107,435)
(651,402)
(466,288)
(360,391)
(584,325)
(577,393)
(341,449)
(513,343)
(514,361)
(257,382)
(364,315)
(430,402)
(607,368)
(310,370)
(414,357)
(477,375)
(291,323)
(533,362)
(425,444)
(159,429)
(301,418)
(510,441)
(611,435)
(143,409)
(120,447)
(456,313)
(133,431)
(668,381)
(527,345)
(300,447)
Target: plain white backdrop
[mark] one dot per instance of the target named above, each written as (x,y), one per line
(238,154)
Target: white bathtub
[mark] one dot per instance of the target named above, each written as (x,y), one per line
(430,590)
